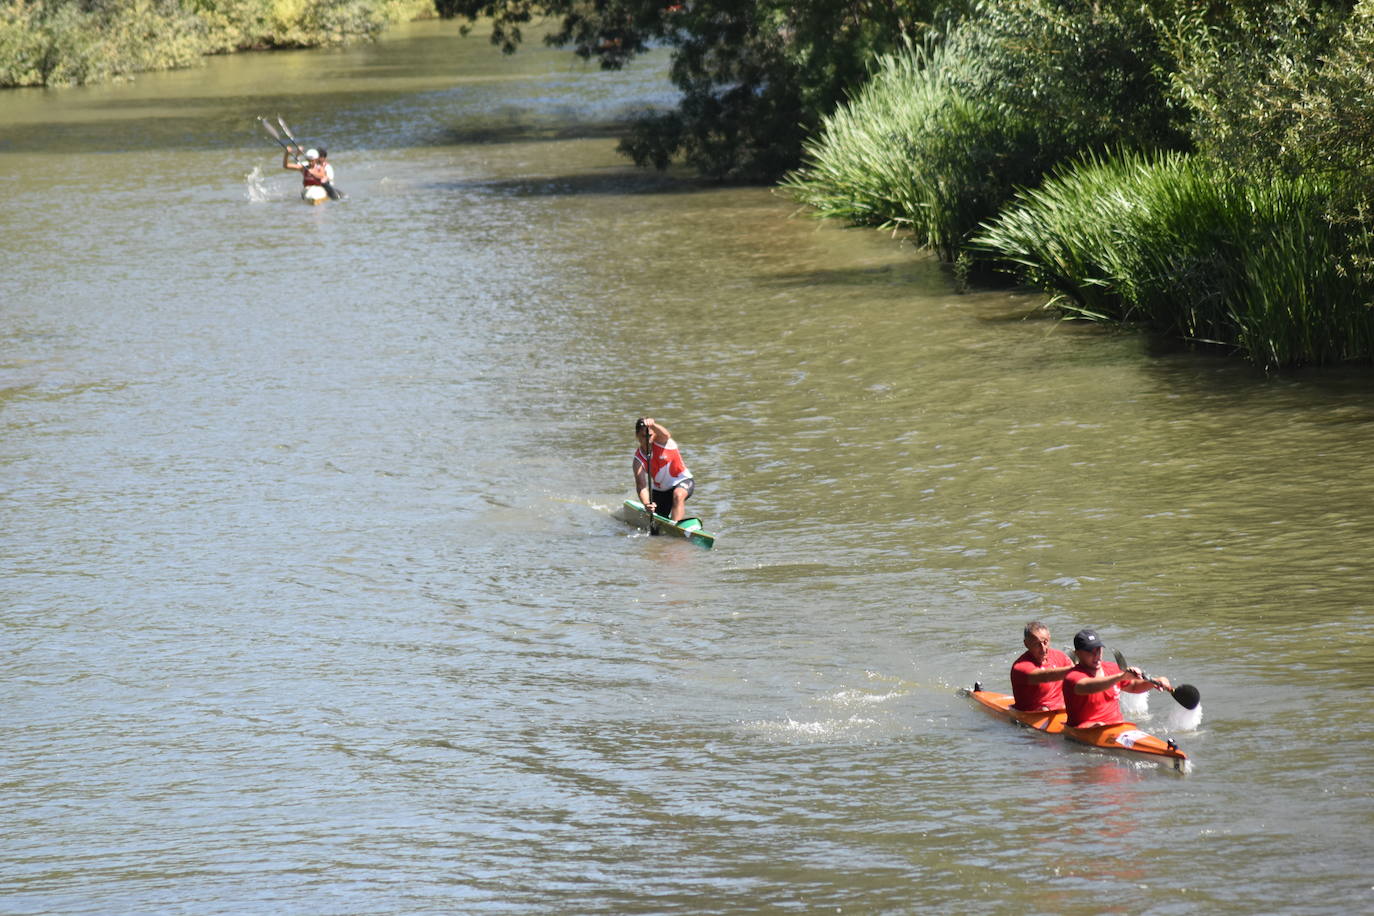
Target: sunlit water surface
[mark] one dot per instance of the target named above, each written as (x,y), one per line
(314,601)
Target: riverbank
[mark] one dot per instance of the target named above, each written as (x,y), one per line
(52,44)
(1208,184)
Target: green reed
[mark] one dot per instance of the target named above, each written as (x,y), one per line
(911,152)
(1186,248)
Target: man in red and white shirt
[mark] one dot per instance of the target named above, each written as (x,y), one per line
(661,477)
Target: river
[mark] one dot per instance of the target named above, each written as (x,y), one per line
(314,601)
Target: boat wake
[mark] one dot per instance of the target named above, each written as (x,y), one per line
(1179,719)
(1169,716)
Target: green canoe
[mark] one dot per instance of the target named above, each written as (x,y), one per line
(688,529)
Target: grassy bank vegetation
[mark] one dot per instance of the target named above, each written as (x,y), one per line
(1200,169)
(70,42)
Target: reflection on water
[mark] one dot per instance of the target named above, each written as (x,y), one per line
(315,597)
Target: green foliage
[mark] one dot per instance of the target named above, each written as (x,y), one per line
(1194,250)
(913,152)
(1090,75)
(1241,74)
(48,42)
(756,75)
(940,139)
(69,42)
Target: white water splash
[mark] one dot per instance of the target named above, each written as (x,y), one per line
(1135,706)
(861,698)
(255,188)
(821,730)
(1183,720)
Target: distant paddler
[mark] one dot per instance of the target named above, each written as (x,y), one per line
(661,477)
(316,172)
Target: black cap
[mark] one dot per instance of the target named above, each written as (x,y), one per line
(639,425)
(1086,640)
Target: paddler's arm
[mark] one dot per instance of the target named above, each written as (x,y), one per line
(660,433)
(1105,681)
(286,162)
(1140,685)
(1041,675)
(642,485)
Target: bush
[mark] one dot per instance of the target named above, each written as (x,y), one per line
(939,139)
(63,43)
(912,152)
(1192,249)
(59,44)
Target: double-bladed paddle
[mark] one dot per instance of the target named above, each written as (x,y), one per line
(1186,695)
(292,150)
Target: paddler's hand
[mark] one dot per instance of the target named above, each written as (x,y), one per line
(1162,683)
(1136,673)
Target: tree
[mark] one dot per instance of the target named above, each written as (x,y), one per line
(756,76)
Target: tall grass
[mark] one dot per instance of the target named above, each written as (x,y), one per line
(1192,250)
(913,152)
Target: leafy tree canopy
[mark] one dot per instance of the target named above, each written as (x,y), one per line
(756,76)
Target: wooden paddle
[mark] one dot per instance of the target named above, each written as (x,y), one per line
(1186,695)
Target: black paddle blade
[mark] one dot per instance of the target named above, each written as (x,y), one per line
(1187,696)
(1120,659)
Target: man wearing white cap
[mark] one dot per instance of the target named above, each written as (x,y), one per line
(315,173)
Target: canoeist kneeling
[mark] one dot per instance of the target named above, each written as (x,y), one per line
(661,477)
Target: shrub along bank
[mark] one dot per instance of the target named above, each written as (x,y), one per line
(1193,250)
(70,42)
(1200,169)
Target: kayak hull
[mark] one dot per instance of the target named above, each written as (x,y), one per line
(1127,740)
(1124,740)
(689,529)
(999,704)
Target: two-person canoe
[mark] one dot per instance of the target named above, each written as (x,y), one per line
(1125,740)
(689,528)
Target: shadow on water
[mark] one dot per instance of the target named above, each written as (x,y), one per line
(240,127)
(629,181)
(922,269)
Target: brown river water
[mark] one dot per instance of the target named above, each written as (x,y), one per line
(314,602)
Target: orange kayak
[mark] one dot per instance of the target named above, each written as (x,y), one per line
(1125,740)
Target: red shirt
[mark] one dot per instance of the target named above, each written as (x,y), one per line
(1101,707)
(667,466)
(1044,695)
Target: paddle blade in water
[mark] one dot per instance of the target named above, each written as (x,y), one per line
(1187,695)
